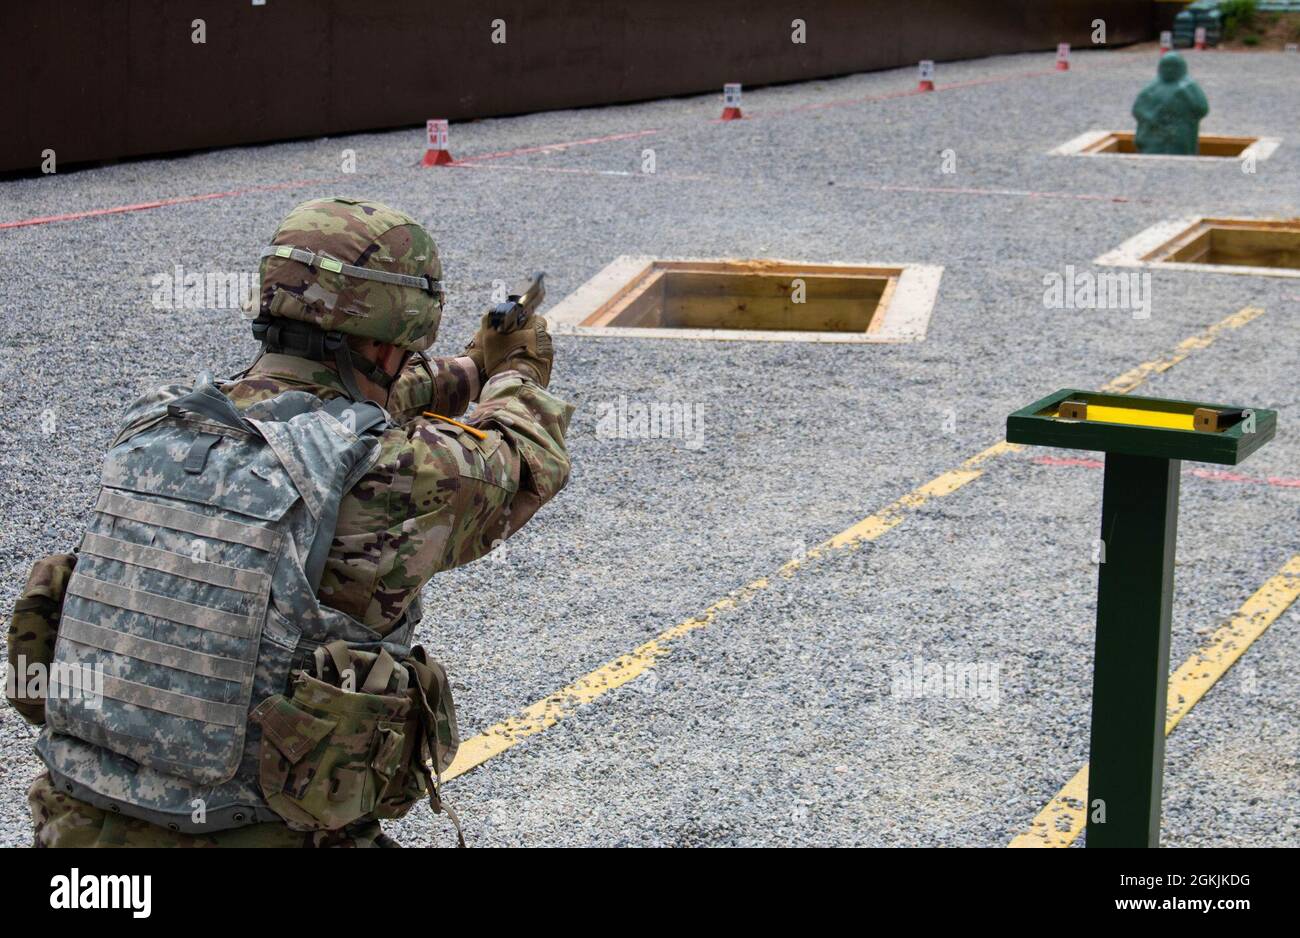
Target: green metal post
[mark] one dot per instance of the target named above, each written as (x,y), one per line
(1139,525)
(1139,529)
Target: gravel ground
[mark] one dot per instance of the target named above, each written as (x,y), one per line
(775,725)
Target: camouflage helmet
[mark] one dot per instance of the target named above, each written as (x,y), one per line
(359,268)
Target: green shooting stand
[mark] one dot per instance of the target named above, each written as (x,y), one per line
(1145,440)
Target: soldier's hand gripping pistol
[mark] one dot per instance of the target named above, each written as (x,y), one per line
(511,336)
(519,304)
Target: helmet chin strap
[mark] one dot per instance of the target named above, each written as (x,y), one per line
(343,362)
(303,340)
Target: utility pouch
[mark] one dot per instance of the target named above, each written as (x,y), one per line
(32,631)
(328,752)
(351,742)
(435,739)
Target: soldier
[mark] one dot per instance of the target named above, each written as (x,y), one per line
(1169,110)
(350,298)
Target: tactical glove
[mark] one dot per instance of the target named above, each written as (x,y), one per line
(474,352)
(527,350)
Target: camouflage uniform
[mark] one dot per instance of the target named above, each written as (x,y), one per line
(439,496)
(441,493)
(63,821)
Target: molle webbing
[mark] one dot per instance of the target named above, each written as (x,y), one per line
(140,555)
(132,599)
(167,668)
(165,701)
(172,656)
(179,519)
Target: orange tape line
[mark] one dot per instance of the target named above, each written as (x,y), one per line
(456,423)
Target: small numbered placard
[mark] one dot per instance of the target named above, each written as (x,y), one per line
(437,131)
(731,94)
(926,70)
(1063,52)
(1166,40)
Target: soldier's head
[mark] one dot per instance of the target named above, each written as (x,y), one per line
(1172,67)
(355,284)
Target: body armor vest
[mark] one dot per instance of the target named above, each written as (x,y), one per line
(194,598)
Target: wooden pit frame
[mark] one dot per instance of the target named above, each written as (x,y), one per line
(1222,147)
(1158,245)
(902,314)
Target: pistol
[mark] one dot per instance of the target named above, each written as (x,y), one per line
(519,305)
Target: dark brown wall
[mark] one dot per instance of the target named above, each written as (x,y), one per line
(94,79)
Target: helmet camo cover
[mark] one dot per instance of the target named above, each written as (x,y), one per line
(367,235)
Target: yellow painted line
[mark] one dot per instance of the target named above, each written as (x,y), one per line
(553,708)
(550,710)
(1063,818)
(1198,673)
(1132,378)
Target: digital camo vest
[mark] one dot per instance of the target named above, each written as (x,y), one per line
(194,596)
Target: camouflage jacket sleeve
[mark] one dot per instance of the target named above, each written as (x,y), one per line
(34,627)
(444,493)
(442,385)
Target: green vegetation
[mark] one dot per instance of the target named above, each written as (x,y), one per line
(1238,16)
